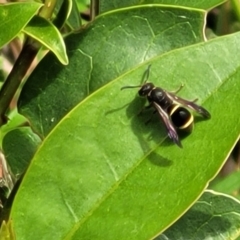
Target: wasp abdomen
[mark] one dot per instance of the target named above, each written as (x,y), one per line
(181,117)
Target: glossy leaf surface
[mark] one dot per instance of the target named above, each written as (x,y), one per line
(113,44)
(103,173)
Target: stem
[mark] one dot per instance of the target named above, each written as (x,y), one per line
(10,86)
(48,8)
(223,20)
(236,8)
(94,9)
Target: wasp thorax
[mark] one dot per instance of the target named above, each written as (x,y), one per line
(159,95)
(145,89)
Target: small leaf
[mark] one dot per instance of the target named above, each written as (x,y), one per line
(19,146)
(15,120)
(103,173)
(74,20)
(106,49)
(62,11)
(46,33)
(212,216)
(14,17)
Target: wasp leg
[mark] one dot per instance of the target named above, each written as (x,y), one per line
(178,90)
(150,119)
(145,107)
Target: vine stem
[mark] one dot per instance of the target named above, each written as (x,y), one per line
(11,84)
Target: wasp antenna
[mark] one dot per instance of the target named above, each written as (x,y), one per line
(146,74)
(148,71)
(130,87)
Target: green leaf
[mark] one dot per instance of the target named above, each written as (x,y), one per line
(46,33)
(106,49)
(228,185)
(67,10)
(15,120)
(14,17)
(212,216)
(62,11)
(112,5)
(74,20)
(19,146)
(103,173)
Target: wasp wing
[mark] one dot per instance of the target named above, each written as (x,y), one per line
(172,133)
(190,104)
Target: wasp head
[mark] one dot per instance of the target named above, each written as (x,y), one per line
(145,89)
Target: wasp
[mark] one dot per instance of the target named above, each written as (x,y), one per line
(172,110)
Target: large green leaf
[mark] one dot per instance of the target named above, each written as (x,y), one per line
(106,5)
(213,216)
(108,47)
(14,17)
(103,173)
